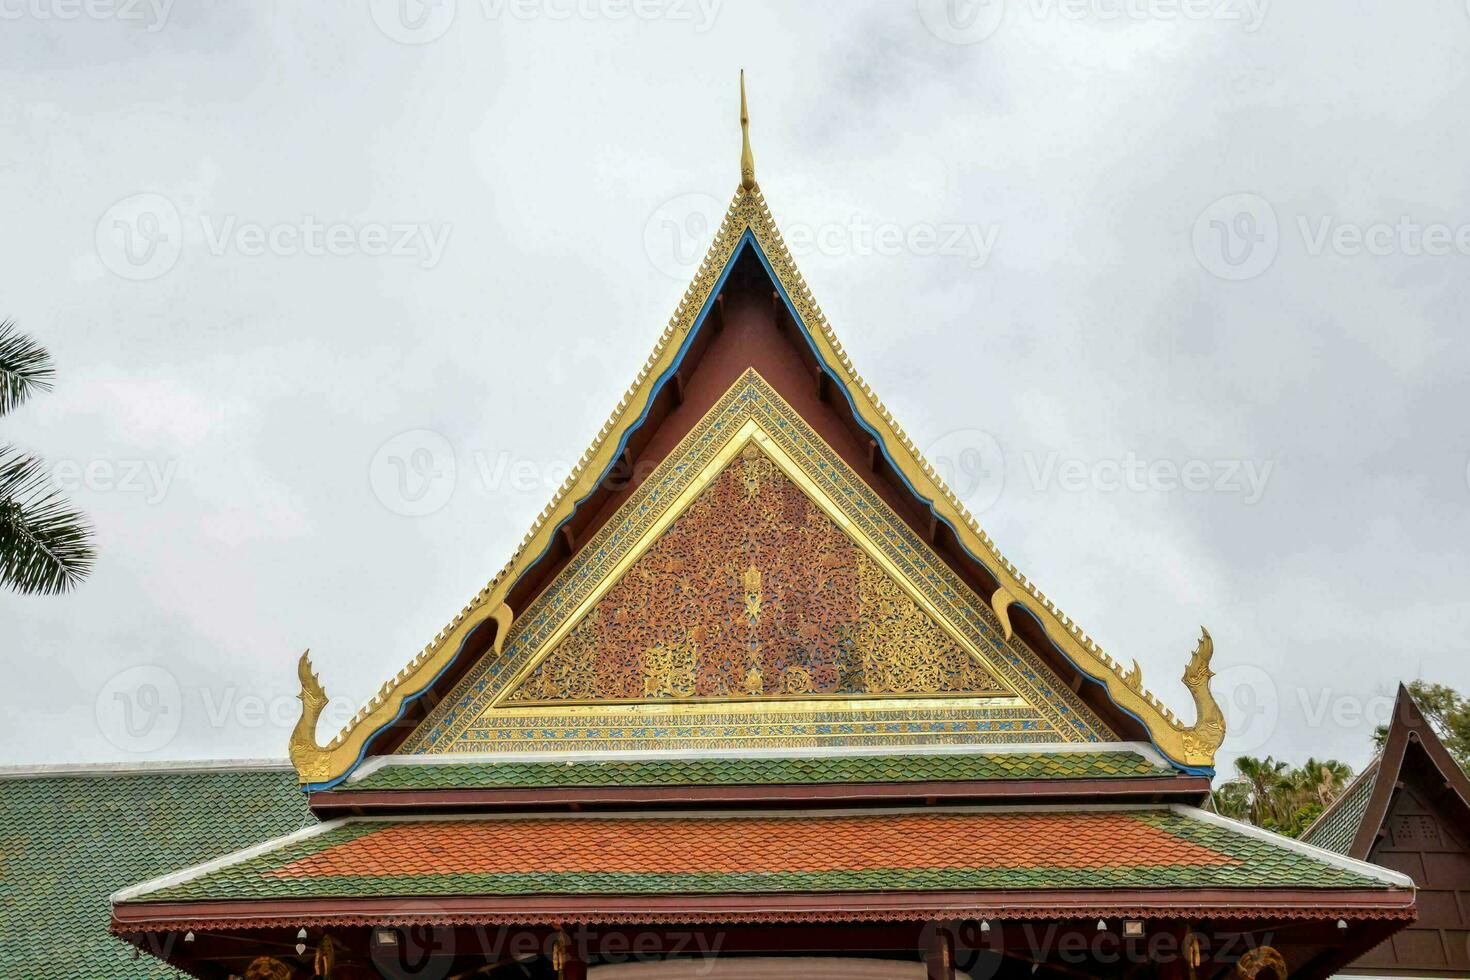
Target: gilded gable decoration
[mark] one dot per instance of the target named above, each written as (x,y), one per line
(748,223)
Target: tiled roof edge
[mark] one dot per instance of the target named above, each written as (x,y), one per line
(1143,749)
(1370,772)
(208,867)
(1323,855)
(29,771)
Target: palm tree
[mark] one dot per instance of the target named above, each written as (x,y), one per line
(1273,795)
(1264,778)
(45,545)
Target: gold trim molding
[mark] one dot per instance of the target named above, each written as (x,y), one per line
(478,717)
(1189,745)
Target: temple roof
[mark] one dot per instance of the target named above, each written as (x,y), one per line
(481,631)
(986,855)
(71,835)
(1352,825)
(1337,826)
(748,769)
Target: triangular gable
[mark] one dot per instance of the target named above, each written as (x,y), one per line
(1413,757)
(748,231)
(755,589)
(754,593)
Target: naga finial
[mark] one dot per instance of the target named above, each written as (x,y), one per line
(1205,736)
(306,754)
(747,159)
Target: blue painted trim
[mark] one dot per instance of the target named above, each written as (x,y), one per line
(878,438)
(748,240)
(637,423)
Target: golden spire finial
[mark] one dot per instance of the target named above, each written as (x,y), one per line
(747,160)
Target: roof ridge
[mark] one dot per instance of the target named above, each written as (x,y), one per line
(134,768)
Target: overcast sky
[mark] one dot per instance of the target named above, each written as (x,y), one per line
(1175,290)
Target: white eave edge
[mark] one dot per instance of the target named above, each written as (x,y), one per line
(1322,855)
(199,870)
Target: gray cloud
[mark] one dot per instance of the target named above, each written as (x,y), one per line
(1092,333)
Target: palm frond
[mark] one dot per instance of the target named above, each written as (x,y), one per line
(45,545)
(25,367)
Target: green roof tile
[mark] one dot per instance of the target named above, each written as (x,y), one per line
(1335,829)
(1229,859)
(759,771)
(68,840)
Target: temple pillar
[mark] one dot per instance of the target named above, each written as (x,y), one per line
(939,954)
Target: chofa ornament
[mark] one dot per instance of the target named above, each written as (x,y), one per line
(315,762)
(1207,733)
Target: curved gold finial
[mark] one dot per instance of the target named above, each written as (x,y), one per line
(306,755)
(1208,731)
(318,763)
(747,159)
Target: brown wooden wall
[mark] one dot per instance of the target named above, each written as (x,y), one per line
(1428,842)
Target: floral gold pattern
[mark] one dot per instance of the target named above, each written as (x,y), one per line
(754,592)
(769,706)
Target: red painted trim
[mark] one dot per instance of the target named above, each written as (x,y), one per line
(1181,789)
(1174,904)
